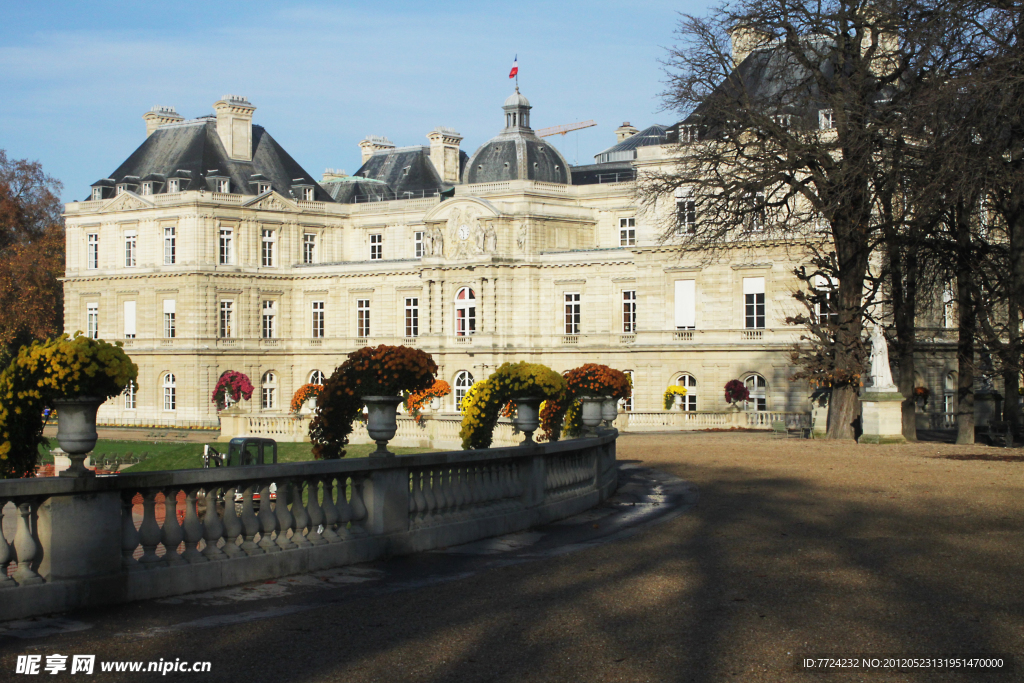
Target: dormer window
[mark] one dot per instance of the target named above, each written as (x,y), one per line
(826,119)
(223,185)
(97,193)
(782,120)
(121,188)
(688,134)
(307,192)
(263,188)
(173,186)
(147,189)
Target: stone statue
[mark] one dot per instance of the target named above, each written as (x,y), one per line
(490,239)
(437,241)
(986,370)
(881,373)
(428,242)
(521,238)
(480,237)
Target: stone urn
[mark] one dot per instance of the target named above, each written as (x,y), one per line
(609,411)
(528,416)
(591,415)
(76,431)
(382,421)
(435,404)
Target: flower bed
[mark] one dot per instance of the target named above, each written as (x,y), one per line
(231,384)
(414,400)
(485,400)
(61,367)
(587,380)
(371,371)
(670,395)
(303,394)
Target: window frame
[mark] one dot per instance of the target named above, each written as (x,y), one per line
(318,319)
(412,316)
(309,240)
(226,251)
(461,384)
(268,319)
(758,394)
(170,245)
(131,396)
(465,312)
(627,231)
(226,318)
(417,242)
(92,320)
(377,246)
(170,392)
(131,249)
(268,390)
(573,312)
(268,243)
(362,318)
(92,253)
(628,311)
(689,382)
(223,186)
(170,320)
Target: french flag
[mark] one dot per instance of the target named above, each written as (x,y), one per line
(515,67)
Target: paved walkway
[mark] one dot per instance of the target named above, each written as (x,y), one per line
(792,547)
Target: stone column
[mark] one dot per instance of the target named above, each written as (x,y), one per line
(80,536)
(386,495)
(881,417)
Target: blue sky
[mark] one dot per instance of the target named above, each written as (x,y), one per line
(75,78)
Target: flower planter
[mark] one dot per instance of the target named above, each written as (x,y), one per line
(528,416)
(382,421)
(591,413)
(609,411)
(76,431)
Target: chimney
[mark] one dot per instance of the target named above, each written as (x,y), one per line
(626,130)
(234,125)
(745,40)
(158,116)
(444,153)
(374,143)
(331,174)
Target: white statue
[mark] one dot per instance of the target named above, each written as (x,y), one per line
(881,374)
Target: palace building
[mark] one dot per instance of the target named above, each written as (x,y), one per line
(211,249)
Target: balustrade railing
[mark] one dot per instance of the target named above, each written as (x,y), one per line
(67,543)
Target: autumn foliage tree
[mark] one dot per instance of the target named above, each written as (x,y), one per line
(31,254)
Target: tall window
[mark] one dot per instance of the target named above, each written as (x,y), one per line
(686,304)
(572,313)
(826,307)
(169,312)
(753,302)
(376,246)
(758,389)
(170,255)
(756,215)
(97,193)
(826,119)
(316,377)
(463,381)
(362,317)
(227,309)
(307,193)
(465,312)
(170,387)
(948,309)
(318,319)
(686,211)
(269,319)
(417,241)
(268,391)
(92,251)
(147,188)
(227,254)
(129,320)
(309,247)
(267,252)
(223,186)
(173,186)
(690,400)
(627,232)
(412,316)
(130,395)
(130,244)
(627,403)
(629,310)
(949,393)
(92,320)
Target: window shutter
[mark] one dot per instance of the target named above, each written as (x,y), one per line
(129,318)
(686,303)
(753,285)
(168,305)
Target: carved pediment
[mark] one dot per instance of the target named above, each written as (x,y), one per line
(127,201)
(271,201)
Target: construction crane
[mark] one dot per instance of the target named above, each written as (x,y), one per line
(562,130)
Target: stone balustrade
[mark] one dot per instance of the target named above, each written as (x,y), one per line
(68,543)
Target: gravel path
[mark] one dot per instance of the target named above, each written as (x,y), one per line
(794,547)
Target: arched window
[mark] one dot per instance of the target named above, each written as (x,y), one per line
(170,392)
(690,400)
(949,393)
(463,381)
(268,391)
(758,389)
(465,312)
(316,377)
(627,403)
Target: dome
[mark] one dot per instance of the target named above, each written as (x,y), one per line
(517,99)
(516,153)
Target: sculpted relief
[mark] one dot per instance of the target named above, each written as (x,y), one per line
(465,232)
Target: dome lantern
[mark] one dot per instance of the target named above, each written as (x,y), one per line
(517,111)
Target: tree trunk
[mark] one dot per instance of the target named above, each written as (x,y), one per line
(1015,301)
(903,278)
(967,317)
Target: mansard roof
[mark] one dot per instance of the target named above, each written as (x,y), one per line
(393,174)
(193,151)
(626,149)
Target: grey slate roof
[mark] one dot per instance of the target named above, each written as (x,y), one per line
(402,170)
(626,149)
(192,150)
(611,172)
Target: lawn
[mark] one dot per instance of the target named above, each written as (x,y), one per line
(182,456)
